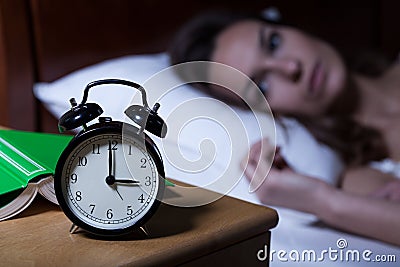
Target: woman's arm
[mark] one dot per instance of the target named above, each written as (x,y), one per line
(373,217)
(358,213)
(363,180)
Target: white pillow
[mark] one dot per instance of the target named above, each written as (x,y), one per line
(56,95)
(300,149)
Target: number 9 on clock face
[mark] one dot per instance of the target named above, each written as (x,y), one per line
(109,183)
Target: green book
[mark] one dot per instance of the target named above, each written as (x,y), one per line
(27,165)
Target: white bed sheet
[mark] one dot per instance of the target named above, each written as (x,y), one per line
(296,230)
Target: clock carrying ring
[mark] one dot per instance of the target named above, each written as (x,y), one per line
(144,116)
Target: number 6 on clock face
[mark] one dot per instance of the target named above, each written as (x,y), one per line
(110,183)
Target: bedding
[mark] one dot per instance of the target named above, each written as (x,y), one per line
(197,148)
(298,147)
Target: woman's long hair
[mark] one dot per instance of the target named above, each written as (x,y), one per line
(355,143)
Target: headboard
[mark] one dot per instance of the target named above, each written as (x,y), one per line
(42,40)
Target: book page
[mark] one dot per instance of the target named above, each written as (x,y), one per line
(46,189)
(20,203)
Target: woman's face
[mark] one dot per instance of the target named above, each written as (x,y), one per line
(298,74)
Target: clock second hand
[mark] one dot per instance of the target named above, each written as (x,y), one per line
(118,192)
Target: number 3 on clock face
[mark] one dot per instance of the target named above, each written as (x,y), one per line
(109,183)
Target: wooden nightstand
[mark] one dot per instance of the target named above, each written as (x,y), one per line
(227,232)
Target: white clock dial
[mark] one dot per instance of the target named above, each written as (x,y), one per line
(109,182)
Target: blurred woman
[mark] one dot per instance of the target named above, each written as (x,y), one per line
(304,77)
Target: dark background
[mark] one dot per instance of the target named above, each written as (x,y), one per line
(42,40)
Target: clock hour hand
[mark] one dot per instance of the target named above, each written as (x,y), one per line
(126,181)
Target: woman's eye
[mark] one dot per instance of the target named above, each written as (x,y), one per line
(263,86)
(274,41)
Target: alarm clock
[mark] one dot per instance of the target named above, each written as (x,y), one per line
(109,180)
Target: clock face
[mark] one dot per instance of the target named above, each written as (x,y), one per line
(109,183)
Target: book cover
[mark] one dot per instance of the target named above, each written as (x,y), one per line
(26,157)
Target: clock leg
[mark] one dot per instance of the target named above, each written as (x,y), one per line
(73,229)
(144,230)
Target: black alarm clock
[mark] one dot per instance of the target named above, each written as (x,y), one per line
(109,180)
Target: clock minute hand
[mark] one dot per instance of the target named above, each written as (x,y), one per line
(110,159)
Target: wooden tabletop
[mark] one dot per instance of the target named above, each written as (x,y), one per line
(40,235)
